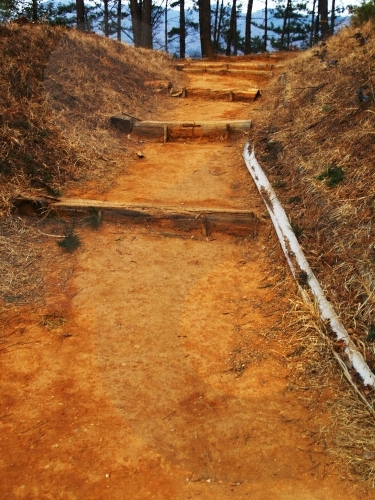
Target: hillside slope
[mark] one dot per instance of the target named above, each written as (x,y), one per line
(315,138)
(316,141)
(60,88)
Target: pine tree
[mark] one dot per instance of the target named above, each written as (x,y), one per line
(205,28)
(295,27)
(247,47)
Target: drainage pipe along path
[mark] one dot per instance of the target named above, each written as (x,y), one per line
(181,292)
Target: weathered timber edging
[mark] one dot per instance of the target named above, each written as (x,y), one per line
(201,221)
(230,94)
(168,131)
(230,72)
(203,66)
(304,275)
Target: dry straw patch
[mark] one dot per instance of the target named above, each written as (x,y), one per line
(316,141)
(21,274)
(347,429)
(316,122)
(59,89)
(339,422)
(28,260)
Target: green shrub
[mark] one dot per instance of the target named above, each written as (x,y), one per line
(361,13)
(70,242)
(333,175)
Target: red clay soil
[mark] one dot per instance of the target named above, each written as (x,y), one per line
(157,367)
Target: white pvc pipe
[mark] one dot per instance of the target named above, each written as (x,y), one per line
(298,263)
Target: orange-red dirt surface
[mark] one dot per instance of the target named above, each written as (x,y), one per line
(157,366)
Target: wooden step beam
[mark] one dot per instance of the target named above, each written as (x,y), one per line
(202,66)
(228,94)
(168,131)
(242,72)
(263,73)
(200,221)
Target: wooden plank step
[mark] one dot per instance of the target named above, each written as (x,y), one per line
(169,130)
(230,94)
(200,221)
(229,72)
(219,65)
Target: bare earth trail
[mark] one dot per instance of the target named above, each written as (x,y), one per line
(171,381)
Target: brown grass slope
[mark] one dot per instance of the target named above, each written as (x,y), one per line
(319,121)
(58,90)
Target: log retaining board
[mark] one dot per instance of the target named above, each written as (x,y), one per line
(219,66)
(190,221)
(230,72)
(231,94)
(165,131)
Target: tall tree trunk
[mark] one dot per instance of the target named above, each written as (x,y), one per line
(333,17)
(235,37)
(248,27)
(80,7)
(205,28)
(88,24)
(285,23)
(182,30)
(106,16)
(220,24)
(232,30)
(265,25)
(215,37)
(312,31)
(323,14)
(317,27)
(34,13)
(136,14)
(147,24)
(166,26)
(141,23)
(235,34)
(119,19)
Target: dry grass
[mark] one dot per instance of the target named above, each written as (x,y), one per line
(27,251)
(320,117)
(20,271)
(314,121)
(340,423)
(347,429)
(59,89)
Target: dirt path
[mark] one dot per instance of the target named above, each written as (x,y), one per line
(159,368)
